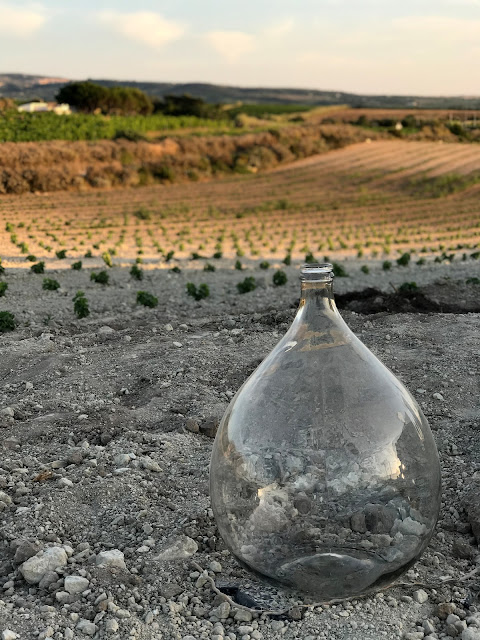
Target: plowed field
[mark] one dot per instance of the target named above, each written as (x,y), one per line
(371,200)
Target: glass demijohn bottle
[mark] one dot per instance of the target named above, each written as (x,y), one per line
(324,476)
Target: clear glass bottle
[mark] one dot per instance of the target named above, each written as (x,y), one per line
(324,476)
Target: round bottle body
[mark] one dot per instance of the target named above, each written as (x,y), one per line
(324,476)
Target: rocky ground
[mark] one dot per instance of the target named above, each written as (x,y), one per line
(106,433)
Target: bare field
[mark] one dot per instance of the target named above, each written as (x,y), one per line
(373,200)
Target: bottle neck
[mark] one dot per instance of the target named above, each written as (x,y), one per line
(317,296)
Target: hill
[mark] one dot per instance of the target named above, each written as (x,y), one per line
(27,87)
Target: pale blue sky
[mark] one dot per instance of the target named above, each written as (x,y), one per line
(427,47)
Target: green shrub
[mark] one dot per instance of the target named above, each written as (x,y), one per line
(101,277)
(9,227)
(364,269)
(80,305)
(421,261)
(61,254)
(89,254)
(196,256)
(169,256)
(31,258)
(23,246)
(387,265)
(339,271)
(198,293)
(287,260)
(475,255)
(473,280)
(408,286)
(107,258)
(238,266)
(264,265)
(38,268)
(147,299)
(309,258)
(176,270)
(136,272)
(279,278)
(403,260)
(217,255)
(3,288)
(249,284)
(76,266)
(142,213)
(7,321)
(2,268)
(208,267)
(49,284)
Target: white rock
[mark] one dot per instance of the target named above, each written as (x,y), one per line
(5,498)
(150,465)
(68,634)
(215,566)
(105,330)
(168,327)
(28,386)
(470,634)
(76,584)
(183,547)
(111,558)
(121,459)
(111,626)
(7,634)
(420,596)
(438,396)
(36,567)
(177,344)
(7,411)
(87,627)
(65,482)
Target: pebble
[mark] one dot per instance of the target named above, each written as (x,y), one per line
(420,596)
(111,625)
(76,584)
(111,558)
(428,627)
(177,344)
(470,634)
(87,627)
(182,548)
(24,551)
(242,615)
(444,609)
(222,611)
(7,634)
(36,567)
(215,566)
(192,425)
(438,396)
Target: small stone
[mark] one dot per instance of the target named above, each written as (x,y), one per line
(5,498)
(451,630)
(76,584)
(68,634)
(7,411)
(222,611)
(65,482)
(192,425)
(36,567)
(295,613)
(121,459)
(438,396)
(168,327)
(62,597)
(7,634)
(276,625)
(444,609)
(428,627)
(462,550)
(111,625)
(106,330)
(420,596)
(49,578)
(357,522)
(379,519)
(149,617)
(470,634)
(111,558)
(452,618)
(150,465)
(209,427)
(28,386)
(24,551)
(182,548)
(177,344)
(215,566)
(87,627)
(242,615)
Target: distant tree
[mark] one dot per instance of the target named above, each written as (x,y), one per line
(90,97)
(186,105)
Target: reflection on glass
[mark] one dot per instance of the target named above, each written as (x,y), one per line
(324,474)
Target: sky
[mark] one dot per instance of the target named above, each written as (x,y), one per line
(408,47)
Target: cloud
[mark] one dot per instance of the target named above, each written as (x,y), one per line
(146,27)
(21,22)
(453,29)
(232,45)
(279,29)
